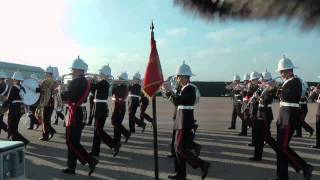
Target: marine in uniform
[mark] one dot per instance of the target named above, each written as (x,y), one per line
(184,125)
(253,104)
(134,101)
(46,104)
(303,112)
(16,108)
(91,104)
(249,105)
(315,94)
(58,101)
(119,95)
(288,118)
(144,102)
(264,116)
(76,96)
(235,89)
(101,112)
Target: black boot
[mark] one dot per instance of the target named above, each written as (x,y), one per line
(69,171)
(205,167)
(92,166)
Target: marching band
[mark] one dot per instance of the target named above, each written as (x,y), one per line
(252,102)
(256,105)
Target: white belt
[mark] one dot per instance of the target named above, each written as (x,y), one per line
(17,101)
(185,107)
(261,105)
(237,95)
(83,105)
(239,100)
(289,104)
(120,99)
(100,100)
(133,95)
(302,102)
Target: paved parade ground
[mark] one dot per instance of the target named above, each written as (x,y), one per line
(227,152)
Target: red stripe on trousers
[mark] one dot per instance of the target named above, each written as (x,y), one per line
(81,158)
(285,147)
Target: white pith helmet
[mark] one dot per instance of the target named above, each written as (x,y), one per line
(17,76)
(105,70)
(285,64)
(184,70)
(266,75)
(123,76)
(254,75)
(79,64)
(246,77)
(136,76)
(3,75)
(236,77)
(49,69)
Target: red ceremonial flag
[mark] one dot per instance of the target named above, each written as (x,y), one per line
(153,77)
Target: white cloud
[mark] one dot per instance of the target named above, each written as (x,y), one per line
(161,42)
(177,32)
(233,35)
(213,52)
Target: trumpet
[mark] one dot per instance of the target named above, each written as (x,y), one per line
(236,86)
(169,85)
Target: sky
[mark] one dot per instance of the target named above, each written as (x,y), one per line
(55,32)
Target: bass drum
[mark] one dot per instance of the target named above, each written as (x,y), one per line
(30,96)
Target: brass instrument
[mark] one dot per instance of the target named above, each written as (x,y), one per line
(169,85)
(236,86)
(260,93)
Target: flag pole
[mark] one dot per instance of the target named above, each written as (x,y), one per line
(154,125)
(155,138)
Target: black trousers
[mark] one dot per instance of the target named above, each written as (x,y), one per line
(3,125)
(91,110)
(14,116)
(117,118)
(75,149)
(133,120)
(47,128)
(60,115)
(100,134)
(143,114)
(303,123)
(173,141)
(318,130)
(31,115)
(235,113)
(286,154)
(245,122)
(183,147)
